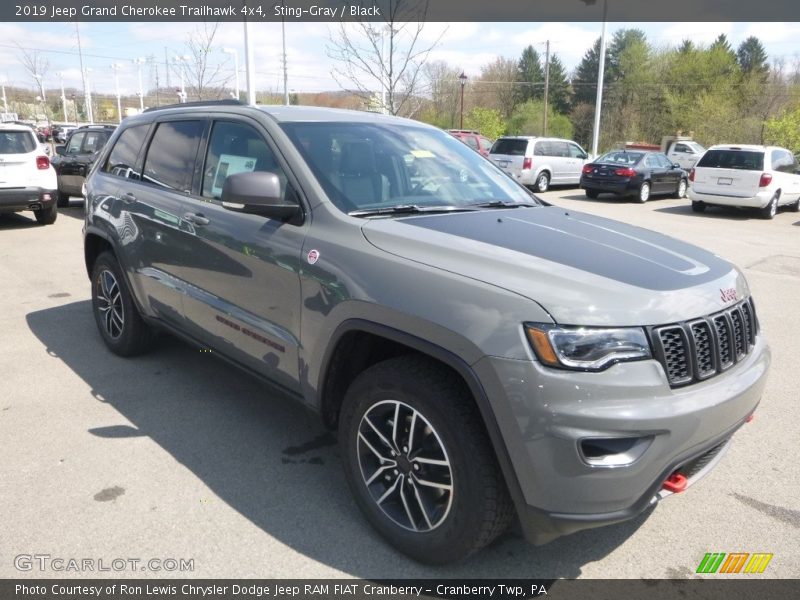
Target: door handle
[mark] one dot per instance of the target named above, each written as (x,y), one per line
(196,218)
(128,198)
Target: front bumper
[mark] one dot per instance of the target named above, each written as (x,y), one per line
(25,198)
(760,200)
(545,416)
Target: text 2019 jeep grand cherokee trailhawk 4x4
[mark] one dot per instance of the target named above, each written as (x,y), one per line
(483,355)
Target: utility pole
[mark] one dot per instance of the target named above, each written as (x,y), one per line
(285,72)
(166,63)
(115,67)
(250,66)
(546,83)
(63,97)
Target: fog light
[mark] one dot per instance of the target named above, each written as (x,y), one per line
(613,452)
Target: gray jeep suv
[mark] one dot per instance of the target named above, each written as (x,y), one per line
(484,356)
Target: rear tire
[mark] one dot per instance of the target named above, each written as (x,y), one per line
(436,419)
(63,200)
(543,182)
(592,194)
(644,192)
(795,206)
(118,320)
(46,216)
(698,207)
(770,210)
(681,191)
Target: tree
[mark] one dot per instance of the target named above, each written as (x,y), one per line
(496,87)
(584,81)
(559,92)
(37,67)
(722,44)
(485,120)
(205,79)
(387,59)
(527,120)
(444,90)
(530,75)
(752,57)
(784,130)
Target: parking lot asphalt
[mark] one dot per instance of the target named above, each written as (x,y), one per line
(177,455)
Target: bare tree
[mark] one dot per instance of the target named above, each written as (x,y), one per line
(496,87)
(37,67)
(443,89)
(206,78)
(384,58)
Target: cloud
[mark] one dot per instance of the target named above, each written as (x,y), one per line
(771,33)
(698,33)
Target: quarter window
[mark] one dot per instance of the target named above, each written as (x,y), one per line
(172,153)
(122,160)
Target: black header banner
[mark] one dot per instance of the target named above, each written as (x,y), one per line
(398,589)
(399,10)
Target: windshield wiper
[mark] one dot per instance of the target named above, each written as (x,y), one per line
(504,204)
(407,209)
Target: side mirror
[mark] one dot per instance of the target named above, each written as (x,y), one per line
(61,150)
(584,156)
(257,192)
(676,166)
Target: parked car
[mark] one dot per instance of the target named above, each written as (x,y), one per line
(761,177)
(74,159)
(473,139)
(27,180)
(483,356)
(634,173)
(682,150)
(539,162)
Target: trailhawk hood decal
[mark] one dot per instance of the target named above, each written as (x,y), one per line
(582,269)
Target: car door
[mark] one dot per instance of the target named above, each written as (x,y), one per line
(69,168)
(672,174)
(656,172)
(152,206)
(577,158)
(93,142)
(559,160)
(784,167)
(243,297)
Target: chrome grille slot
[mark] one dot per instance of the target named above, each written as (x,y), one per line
(740,345)
(675,352)
(723,341)
(749,324)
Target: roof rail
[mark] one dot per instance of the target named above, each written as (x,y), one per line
(227,102)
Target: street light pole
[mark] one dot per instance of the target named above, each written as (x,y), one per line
(89,111)
(285,70)
(600,74)
(181,61)
(63,96)
(115,67)
(250,66)
(235,53)
(139,62)
(463,79)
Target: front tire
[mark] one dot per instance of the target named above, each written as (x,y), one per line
(770,210)
(543,182)
(644,192)
(46,216)
(419,463)
(118,320)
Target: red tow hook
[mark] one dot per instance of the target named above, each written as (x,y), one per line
(675,483)
(750,417)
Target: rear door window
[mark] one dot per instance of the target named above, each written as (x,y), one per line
(172,154)
(510,147)
(746,160)
(560,149)
(93,141)
(122,160)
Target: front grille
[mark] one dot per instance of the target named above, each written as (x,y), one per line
(702,348)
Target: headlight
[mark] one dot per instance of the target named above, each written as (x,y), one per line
(587,348)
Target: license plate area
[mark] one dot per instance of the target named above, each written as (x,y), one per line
(724,181)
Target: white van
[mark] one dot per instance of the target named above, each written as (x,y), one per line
(762,177)
(539,162)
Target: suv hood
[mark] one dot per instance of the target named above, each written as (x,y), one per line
(582,269)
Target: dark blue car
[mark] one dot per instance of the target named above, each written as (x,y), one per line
(634,173)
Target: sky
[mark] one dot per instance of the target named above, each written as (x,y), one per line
(467,46)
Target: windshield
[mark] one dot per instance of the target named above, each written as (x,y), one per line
(695,147)
(621,157)
(363,166)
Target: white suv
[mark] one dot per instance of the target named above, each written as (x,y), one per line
(27,180)
(762,177)
(539,162)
